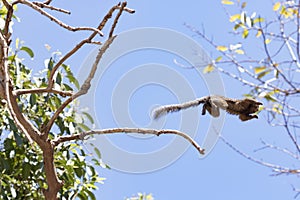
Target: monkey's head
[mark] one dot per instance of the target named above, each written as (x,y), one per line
(252,105)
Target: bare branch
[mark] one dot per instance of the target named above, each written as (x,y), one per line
(283,150)
(81,136)
(275,168)
(84,88)
(273,64)
(44,5)
(298,33)
(294,140)
(42,90)
(117,18)
(60,23)
(88,40)
(47,2)
(236,63)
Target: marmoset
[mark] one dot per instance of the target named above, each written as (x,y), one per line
(245,108)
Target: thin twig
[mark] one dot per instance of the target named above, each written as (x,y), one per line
(276,168)
(273,64)
(283,150)
(81,136)
(60,23)
(298,32)
(285,119)
(83,90)
(88,40)
(123,5)
(44,5)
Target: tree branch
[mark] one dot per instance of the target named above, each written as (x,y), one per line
(42,90)
(44,5)
(21,122)
(88,40)
(276,168)
(83,90)
(81,136)
(60,23)
(117,18)
(9,15)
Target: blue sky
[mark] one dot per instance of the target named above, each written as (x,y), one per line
(223,174)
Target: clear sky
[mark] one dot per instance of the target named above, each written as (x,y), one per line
(122,90)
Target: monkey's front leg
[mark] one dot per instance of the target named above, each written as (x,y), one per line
(244,117)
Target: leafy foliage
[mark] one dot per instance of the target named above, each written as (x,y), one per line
(141,196)
(21,163)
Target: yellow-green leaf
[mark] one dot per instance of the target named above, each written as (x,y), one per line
(258,70)
(267,41)
(276,6)
(262,74)
(258,19)
(208,68)
(245,33)
(218,59)
(234,17)
(258,34)
(17,43)
(226,2)
(239,51)
(222,48)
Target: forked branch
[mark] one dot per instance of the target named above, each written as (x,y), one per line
(57,21)
(87,83)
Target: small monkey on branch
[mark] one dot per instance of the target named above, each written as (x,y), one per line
(244,108)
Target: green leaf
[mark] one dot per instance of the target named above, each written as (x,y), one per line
(97,152)
(49,63)
(91,194)
(32,99)
(26,168)
(245,33)
(218,59)
(58,78)
(18,138)
(28,51)
(83,127)
(73,80)
(89,117)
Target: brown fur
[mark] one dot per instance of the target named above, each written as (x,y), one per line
(245,108)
